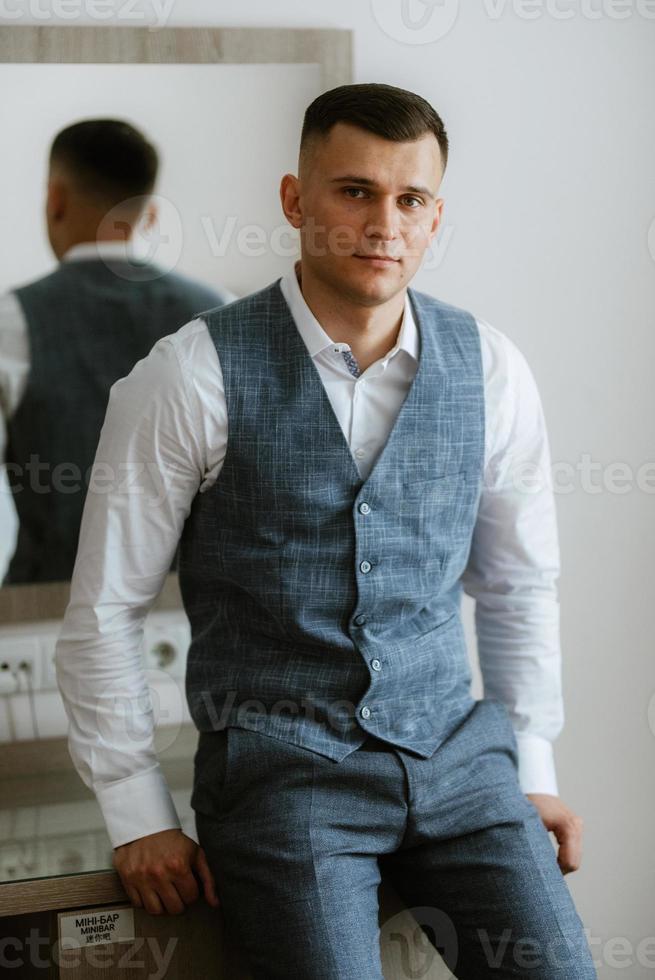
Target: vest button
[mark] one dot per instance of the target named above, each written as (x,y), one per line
(360,619)
(376,665)
(365,566)
(365,712)
(364,508)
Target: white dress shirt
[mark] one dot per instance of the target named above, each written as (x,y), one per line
(164,439)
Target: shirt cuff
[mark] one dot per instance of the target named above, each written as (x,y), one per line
(536,764)
(137,806)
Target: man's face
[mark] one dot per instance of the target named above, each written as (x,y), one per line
(367,209)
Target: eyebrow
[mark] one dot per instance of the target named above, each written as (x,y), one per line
(367,182)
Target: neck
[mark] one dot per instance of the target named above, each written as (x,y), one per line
(371,331)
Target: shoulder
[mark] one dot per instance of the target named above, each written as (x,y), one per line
(255,310)
(38,286)
(502,360)
(506,369)
(508,378)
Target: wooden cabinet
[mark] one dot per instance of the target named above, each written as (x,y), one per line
(192,946)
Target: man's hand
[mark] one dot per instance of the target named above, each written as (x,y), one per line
(565,824)
(157,872)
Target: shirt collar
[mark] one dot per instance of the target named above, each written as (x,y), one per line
(117,249)
(315,337)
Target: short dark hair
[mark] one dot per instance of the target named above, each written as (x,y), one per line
(390,112)
(109,159)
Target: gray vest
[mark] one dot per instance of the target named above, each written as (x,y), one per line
(88,323)
(322,607)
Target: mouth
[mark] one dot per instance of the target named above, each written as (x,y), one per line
(382,261)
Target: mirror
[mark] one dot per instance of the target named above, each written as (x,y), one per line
(224,114)
(223,108)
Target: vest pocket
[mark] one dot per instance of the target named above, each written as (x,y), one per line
(436,493)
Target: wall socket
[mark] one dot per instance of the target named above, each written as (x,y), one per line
(166,640)
(20,664)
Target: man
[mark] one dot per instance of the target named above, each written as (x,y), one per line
(65,338)
(339,455)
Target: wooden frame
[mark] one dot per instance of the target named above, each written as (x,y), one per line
(331,49)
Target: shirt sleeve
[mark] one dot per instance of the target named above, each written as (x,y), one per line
(14,360)
(150,460)
(514,563)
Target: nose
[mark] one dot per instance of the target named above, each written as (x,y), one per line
(382,220)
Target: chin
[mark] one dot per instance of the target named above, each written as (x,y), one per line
(376,289)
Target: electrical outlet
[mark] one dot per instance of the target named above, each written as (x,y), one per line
(166,640)
(48,640)
(20,658)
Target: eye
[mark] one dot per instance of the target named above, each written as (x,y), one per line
(417,202)
(352,191)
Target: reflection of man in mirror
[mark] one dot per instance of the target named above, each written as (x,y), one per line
(67,337)
(342,452)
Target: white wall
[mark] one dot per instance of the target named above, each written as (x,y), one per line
(548,209)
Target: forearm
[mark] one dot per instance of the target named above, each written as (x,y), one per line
(520,662)
(145,474)
(106,696)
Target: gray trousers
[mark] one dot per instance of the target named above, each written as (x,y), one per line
(298,844)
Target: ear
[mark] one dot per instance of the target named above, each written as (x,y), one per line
(56,199)
(290,198)
(436,221)
(150,215)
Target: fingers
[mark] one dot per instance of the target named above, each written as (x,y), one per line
(168,888)
(569,836)
(151,902)
(159,896)
(133,895)
(187,888)
(157,873)
(169,898)
(206,877)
